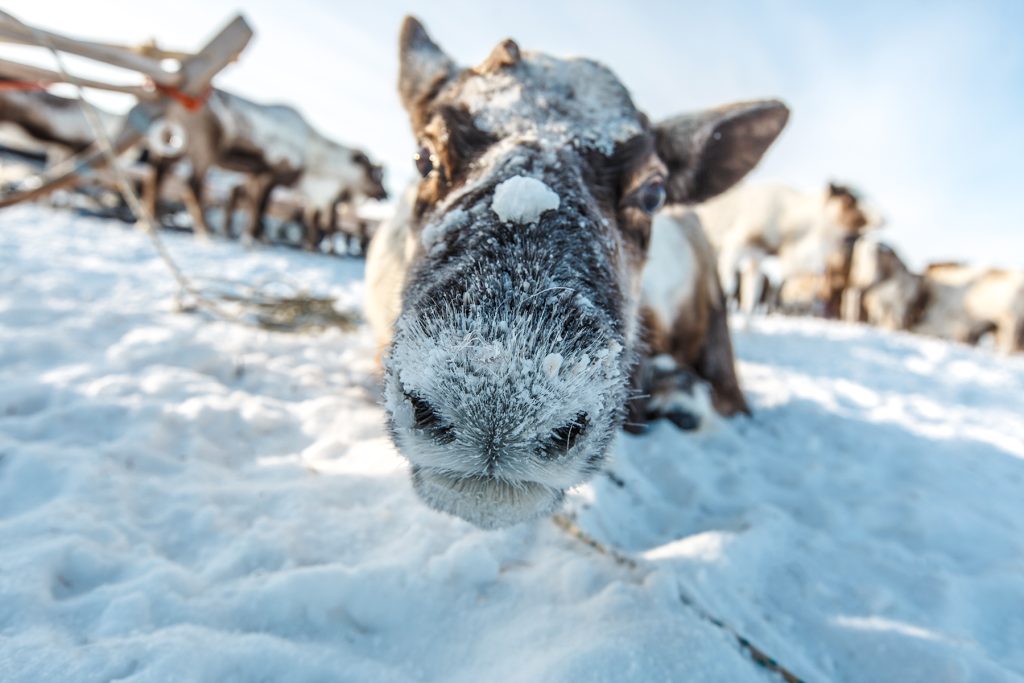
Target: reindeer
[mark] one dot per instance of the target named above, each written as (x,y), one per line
(690,367)
(273,144)
(56,128)
(326,220)
(810,233)
(949,300)
(506,290)
(58,123)
(965,303)
(881,289)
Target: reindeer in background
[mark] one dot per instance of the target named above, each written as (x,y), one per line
(685,328)
(948,300)
(273,145)
(810,234)
(58,124)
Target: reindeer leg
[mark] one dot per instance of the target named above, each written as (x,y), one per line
(332,226)
(260,196)
(313,235)
(262,204)
(751,285)
(716,364)
(234,200)
(253,227)
(1010,334)
(194,203)
(151,192)
(851,305)
(364,238)
(666,389)
(662,386)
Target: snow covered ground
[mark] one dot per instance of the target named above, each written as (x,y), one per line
(185,500)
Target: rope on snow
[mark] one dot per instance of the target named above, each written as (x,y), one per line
(759,656)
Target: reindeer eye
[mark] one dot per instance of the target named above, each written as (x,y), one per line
(652,196)
(424,161)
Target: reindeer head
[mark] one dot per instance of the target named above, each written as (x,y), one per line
(508,370)
(372,185)
(850,212)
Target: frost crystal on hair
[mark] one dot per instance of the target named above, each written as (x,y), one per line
(522,200)
(434,234)
(552,363)
(554,102)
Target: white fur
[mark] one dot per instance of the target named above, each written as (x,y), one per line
(387,259)
(669,275)
(513,372)
(69,123)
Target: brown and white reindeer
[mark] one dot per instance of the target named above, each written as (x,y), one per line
(949,300)
(273,144)
(57,123)
(54,129)
(809,233)
(689,367)
(964,303)
(506,291)
(881,289)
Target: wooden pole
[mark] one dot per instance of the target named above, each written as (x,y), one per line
(16,70)
(197,72)
(13,30)
(150,49)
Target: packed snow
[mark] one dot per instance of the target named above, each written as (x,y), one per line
(551,364)
(522,200)
(190,500)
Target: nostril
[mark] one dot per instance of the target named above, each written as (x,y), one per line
(566,436)
(426,419)
(423,415)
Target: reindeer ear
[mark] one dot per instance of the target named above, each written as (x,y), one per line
(708,152)
(423,66)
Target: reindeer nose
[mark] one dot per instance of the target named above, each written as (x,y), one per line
(556,444)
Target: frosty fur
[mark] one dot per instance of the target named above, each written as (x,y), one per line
(508,320)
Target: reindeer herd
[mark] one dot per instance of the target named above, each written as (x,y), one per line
(255,148)
(563,267)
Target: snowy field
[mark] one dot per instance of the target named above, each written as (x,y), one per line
(185,500)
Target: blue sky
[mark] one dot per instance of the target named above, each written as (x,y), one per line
(919,104)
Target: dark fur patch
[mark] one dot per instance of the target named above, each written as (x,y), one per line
(851,217)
